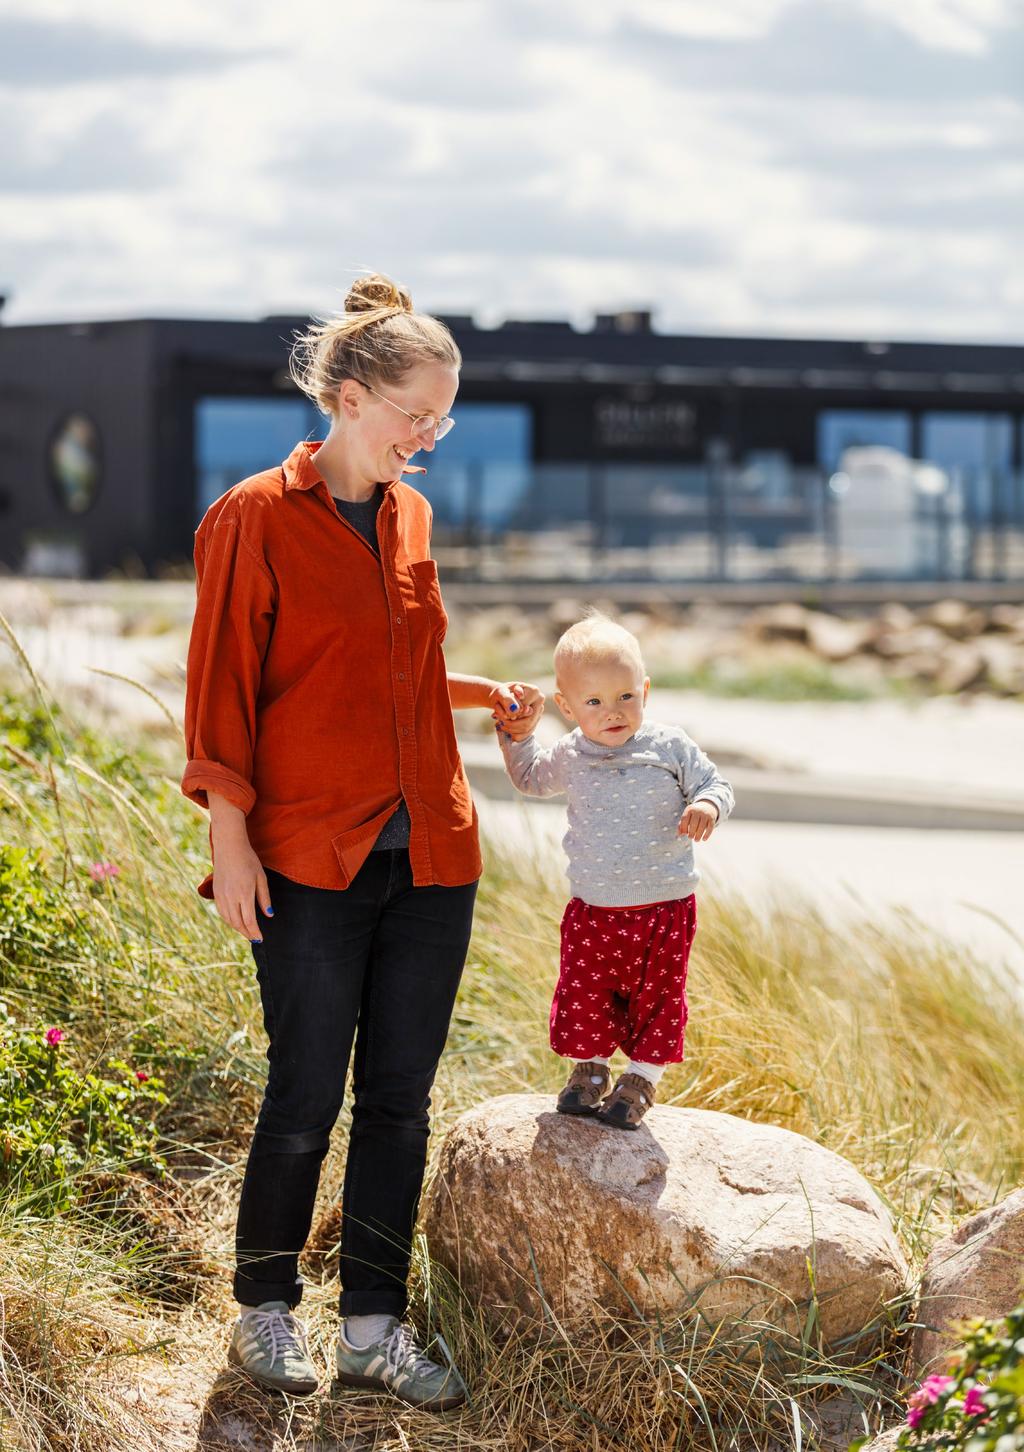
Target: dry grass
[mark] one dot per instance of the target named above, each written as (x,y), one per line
(891,1049)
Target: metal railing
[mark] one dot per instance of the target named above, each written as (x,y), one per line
(722,523)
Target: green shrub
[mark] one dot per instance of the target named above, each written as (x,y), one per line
(978,1406)
(57,1121)
(40,935)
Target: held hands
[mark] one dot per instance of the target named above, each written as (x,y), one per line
(517,708)
(698,821)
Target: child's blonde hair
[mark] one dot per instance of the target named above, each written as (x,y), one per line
(595,638)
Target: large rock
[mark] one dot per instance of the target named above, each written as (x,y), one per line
(976,1271)
(694,1208)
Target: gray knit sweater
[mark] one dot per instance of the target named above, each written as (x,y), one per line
(625,803)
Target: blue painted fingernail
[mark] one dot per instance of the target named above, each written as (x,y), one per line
(255,940)
(514,706)
(269,911)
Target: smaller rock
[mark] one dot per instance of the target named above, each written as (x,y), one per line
(885,1441)
(955,618)
(963,667)
(1009,618)
(1004,660)
(562,613)
(891,643)
(976,1271)
(786,621)
(838,640)
(895,616)
(923,665)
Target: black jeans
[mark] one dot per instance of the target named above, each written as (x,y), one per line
(381,962)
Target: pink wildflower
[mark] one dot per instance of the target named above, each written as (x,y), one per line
(927,1395)
(54,1036)
(141,1075)
(973,1404)
(98,871)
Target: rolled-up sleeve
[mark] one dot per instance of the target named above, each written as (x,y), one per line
(235,604)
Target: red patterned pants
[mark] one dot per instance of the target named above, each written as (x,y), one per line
(622,981)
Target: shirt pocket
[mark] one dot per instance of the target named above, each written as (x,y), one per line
(428,593)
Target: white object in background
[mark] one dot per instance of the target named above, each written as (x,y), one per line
(897,516)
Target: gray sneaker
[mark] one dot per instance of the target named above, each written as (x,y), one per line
(269,1344)
(396,1363)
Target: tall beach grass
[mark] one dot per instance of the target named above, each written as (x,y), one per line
(897,1051)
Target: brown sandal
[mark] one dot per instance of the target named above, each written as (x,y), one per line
(628,1102)
(587,1086)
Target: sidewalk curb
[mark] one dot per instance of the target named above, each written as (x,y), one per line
(778,796)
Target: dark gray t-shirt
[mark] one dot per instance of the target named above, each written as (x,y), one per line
(363,517)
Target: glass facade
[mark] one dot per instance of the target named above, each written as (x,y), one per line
(477,474)
(967,440)
(480,472)
(853,428)
(236,437)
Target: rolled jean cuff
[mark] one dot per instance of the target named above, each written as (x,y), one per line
(248,1292)
(373,1303)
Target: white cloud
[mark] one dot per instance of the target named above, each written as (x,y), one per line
(755,166)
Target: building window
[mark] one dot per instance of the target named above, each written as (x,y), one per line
(480,471)
(840,429)
(75,462)
(968,440)
(236,437)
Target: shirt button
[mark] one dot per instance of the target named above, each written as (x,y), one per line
(398,619)
(401,675)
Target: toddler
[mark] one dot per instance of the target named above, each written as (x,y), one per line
(639,794)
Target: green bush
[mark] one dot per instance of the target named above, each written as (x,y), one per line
(57,1121)
(31,730)
(40,935)
(978,1405)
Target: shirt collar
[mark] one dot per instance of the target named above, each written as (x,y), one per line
(300,471)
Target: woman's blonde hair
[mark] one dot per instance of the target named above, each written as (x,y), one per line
(376,340)
(595,638)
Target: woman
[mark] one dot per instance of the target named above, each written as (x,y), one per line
(320,735)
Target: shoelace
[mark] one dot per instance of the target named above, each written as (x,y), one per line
(284,1330)
(400,1348)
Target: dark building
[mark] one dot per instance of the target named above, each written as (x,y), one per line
(117,436)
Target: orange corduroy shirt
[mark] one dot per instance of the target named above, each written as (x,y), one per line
(316,688)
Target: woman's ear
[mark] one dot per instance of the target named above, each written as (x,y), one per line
(348,398)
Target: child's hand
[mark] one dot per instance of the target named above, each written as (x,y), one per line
(699,821)
(517,708)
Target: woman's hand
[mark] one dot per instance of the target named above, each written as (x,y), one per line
(517,707)
(239,882)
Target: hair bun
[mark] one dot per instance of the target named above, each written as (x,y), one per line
(377,291)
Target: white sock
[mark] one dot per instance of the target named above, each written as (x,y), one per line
(363,1331)
(594,1059)
(653,1072)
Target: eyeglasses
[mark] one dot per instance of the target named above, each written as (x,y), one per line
(425,424)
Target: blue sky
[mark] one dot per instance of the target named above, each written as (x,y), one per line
(790,167)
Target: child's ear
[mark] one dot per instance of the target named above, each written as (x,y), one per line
(563,706)
(647,687)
